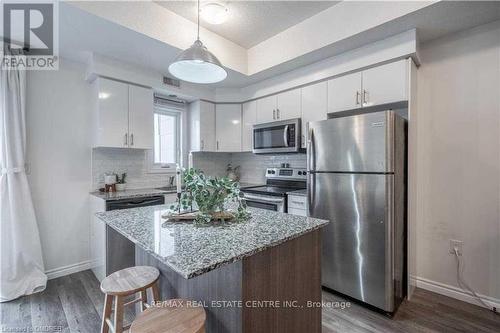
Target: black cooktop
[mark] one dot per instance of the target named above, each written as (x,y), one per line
(269,190)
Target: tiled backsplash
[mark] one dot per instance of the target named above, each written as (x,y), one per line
(212,164)
(131,161)
(252,167)
(134,163)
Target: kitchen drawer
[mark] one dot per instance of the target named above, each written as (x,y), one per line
(297,202)
(295,211)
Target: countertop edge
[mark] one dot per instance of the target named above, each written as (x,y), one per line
(217,264)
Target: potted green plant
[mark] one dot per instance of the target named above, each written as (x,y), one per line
(209,196)
(120,182)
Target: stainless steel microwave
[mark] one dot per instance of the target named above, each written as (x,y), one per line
(277,137)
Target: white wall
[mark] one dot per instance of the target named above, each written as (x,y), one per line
(59,155)
(459,160)
(400,46)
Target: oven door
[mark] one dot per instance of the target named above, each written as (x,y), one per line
(277,137)
(276,204)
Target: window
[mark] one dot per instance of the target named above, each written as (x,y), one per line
(167,139)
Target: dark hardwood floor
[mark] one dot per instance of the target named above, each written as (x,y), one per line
(73,303)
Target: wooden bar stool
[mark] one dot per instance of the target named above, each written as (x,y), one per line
(121,284)
(175,316)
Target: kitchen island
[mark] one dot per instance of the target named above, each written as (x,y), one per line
(261,275)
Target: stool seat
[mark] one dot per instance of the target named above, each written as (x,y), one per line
(175,315)
(129,280)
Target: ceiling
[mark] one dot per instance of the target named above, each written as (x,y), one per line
(251,22)
(81,33)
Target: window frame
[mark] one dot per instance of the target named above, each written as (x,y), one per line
(169,167)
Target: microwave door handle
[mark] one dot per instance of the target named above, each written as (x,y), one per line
(285,136)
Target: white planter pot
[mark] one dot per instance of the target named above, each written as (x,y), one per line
(110,180)
(121,187)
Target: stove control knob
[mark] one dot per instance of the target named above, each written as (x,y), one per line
(273,172)
(304,173)
(269,171)
(300,173)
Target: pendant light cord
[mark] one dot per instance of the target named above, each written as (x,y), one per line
(198,20)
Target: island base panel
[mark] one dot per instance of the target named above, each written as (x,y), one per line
(291,274)
(273,288)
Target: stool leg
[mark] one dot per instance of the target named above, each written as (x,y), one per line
(144,296)
(106,313)
(156,292)
(118,313)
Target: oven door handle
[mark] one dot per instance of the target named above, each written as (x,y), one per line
(285,136)
(260,199)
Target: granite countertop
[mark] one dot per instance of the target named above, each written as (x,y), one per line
(145,192)
(302,193)
(192,250)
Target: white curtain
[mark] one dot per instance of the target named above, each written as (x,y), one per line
(21,266)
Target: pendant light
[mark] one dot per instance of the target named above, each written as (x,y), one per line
(197,64)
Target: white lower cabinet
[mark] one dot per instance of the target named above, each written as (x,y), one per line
(297,205)
(228,127)
(97,238)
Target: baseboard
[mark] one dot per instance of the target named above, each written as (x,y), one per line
(454,292)
(69,269)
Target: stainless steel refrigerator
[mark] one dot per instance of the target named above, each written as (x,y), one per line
(356,179)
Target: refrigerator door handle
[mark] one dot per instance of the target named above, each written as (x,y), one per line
(311,189)
(311,152)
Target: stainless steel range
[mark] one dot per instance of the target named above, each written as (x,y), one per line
(272,195)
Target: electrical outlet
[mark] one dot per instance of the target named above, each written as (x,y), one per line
(456,244)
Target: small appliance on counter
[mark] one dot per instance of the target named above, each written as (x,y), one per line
(273,195)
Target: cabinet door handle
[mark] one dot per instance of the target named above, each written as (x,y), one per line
(365,96)
(278,114)
(217,144)
(132,139)
(126,139)
(274,114)
(202,145)
(357,97)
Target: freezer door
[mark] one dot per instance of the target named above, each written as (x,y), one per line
(357,243)
(361,143)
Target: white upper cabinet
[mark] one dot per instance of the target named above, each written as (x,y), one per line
(123,115)
(228,127)
(288,104)
(344,92)
(375,86)
(314,106)
(111,114)
(248,119)
(282,106)
(385,84)
(140,117)
(266,109)
(202,126)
